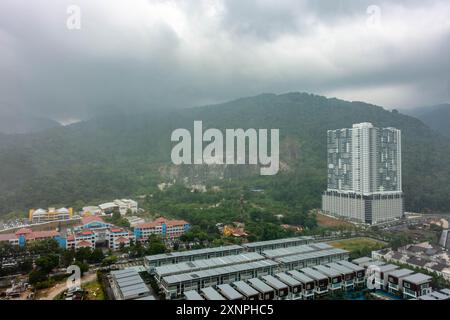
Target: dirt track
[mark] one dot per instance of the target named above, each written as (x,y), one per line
(51,293)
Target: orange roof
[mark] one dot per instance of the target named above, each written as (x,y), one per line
(8,236)
(89,219)
(86,232)
(160,221)
(23,231)
(42,234)
(84,243)
(122,240)
(147,225)
(172,223)
(116,230)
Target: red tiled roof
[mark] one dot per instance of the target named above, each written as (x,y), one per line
(172,223)
(115,230)
(41,234)
(86,232)
(23,231)
(160,221)
(89,219)
(122,240)
(147,225)
(8,236)
(70,237)
(84,243)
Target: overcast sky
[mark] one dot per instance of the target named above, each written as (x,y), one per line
(158,53)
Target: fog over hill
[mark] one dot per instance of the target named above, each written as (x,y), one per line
(128,154)
(12,122)
(436,117)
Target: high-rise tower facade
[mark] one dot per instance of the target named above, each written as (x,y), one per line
(364,173)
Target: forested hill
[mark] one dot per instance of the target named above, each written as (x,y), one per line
(125,155)
(16,122)
(436,117)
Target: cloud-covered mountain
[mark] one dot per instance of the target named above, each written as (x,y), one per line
(13,123)
(436,117)
(127,154)
(181,53)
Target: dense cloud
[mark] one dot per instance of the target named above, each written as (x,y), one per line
(145,54)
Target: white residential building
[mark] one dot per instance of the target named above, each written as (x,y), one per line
(364,174)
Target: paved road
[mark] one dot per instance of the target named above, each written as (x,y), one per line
(60,287)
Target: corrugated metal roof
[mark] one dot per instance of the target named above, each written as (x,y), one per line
(274,282)
(282,252)
(245,288)
(373,263)
(184,267)
(125,282)
(417,278)
(427,297)
(146,298)
(227,291)
(192,252)
(288,279)
(388,267)
(259,285)
(321,246)
(136,289)
(129,283)
(311,255)
(123,273)
(362,260)
(303,278)
(350,265)
(446,291)
(275,242)
(211,294)
(439,295)
(341,269)
(193,295)
(400,273)
(218,271)
(327,271)
(316,275)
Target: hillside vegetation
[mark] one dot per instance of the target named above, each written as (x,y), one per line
(127,155)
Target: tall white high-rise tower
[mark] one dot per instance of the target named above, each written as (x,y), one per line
(364,174)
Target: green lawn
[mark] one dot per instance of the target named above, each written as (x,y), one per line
(358,244)
(93,291)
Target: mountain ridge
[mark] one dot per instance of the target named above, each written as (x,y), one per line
(436,117)
(129,154)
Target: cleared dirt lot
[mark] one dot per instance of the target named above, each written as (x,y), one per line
(326,221)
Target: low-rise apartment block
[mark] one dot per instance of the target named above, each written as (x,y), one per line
(167,229)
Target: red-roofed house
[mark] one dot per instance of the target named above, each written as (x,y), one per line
(167,229)
(10,237)
(94,230)
(73,240)
(85,244)
(118,236)
(24,235)
(93,223)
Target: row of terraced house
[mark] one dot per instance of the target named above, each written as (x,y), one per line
(292,268)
